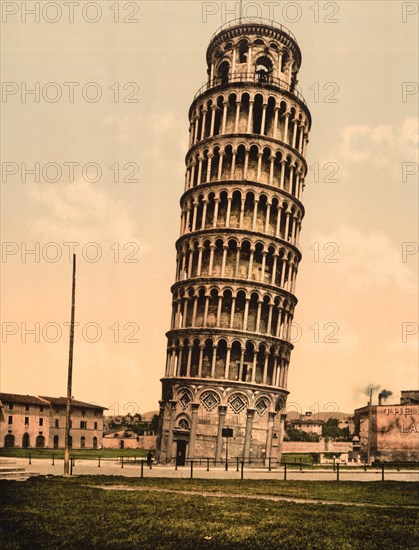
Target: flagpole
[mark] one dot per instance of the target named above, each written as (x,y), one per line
(70,375)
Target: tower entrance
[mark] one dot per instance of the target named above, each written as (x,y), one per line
(180,452)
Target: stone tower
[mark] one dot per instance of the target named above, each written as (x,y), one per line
(228,348)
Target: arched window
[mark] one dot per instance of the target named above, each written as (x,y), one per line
(243,49)
(183,424)
(284,61)
(223,71)
(263,69)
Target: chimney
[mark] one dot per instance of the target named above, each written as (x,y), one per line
(380,399)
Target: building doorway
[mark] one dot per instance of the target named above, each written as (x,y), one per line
(25,440)
(181,452)
(9,441)
(56,441)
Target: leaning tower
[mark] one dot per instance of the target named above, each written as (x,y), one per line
(229,346)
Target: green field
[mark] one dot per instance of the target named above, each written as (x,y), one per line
(46,512)
(76,453)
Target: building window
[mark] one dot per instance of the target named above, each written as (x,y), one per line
(27,407)
(10,421)
(26,420)
(83,412)
(95,426)
(41,409)
(41,421)
(183,424)
(83,424)
(82,442)
(57,423)
(10,406)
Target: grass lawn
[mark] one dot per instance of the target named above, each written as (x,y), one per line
(52,512)
(77,453)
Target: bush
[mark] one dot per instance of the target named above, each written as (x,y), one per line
(299,435)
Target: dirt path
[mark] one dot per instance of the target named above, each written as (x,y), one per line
(274,498)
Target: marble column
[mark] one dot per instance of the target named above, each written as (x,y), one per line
(172,405)
(222,410)
(192,436)
(248,434)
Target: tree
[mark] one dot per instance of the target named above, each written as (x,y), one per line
(331,430)
(298,435)
(154,423)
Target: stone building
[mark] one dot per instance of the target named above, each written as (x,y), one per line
(29,421)
(307,423)
(389,433)
(237,256)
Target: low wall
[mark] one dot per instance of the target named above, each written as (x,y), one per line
(147,442)
(322,446)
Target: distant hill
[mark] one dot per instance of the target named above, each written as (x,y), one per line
(147,416)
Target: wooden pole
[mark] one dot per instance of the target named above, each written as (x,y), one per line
(369,429)
(70,374)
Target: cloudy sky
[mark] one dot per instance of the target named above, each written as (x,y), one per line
(94,155)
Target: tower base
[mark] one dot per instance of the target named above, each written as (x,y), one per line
(195,413)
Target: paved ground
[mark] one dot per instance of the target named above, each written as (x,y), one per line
(113,467)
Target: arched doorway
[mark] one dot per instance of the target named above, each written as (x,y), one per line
(25,440)
(9,441)
(82,442)
(56,441)
(95,442)
(40,442)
